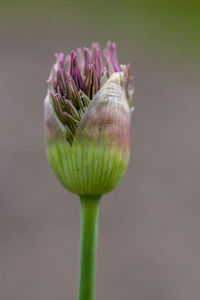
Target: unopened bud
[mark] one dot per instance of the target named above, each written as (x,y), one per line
(87,120)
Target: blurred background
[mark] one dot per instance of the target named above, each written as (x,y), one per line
(149,242)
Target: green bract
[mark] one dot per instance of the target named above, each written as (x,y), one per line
(99,154)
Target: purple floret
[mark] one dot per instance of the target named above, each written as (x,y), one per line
(75,79)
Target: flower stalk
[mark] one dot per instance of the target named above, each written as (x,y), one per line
(88,249)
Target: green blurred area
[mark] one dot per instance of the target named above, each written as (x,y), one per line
(168,26)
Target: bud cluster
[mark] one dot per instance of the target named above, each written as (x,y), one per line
(76,78)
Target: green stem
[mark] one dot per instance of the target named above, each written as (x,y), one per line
(88,248)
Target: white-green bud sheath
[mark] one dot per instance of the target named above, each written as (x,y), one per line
(87,129)
(97,158)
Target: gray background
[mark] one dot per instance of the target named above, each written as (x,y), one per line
(149,243)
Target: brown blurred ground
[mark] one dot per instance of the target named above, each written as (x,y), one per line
(149,242)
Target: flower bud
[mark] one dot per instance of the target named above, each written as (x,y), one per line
(87,120)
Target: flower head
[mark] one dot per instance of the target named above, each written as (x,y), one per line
(87,119)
